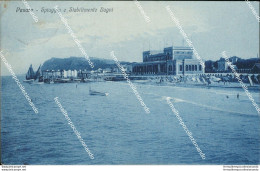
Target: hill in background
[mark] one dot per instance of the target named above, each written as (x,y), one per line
(78,63)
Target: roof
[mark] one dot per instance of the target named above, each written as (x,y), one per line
(182,48)
(155,52)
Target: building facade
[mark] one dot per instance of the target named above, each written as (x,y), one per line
(171,61)
(222,65)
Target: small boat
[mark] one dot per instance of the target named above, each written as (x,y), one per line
(48,81)
(30,81)
(215,79)
(142,81)
(92,92)
(38,83)
(63,80)
(77,80)
(107,78)
(118,77)
(87,80)
(30,75)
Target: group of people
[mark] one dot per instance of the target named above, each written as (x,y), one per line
(237,96)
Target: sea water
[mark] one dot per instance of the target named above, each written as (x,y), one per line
(117,130)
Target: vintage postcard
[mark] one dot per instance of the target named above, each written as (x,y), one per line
(130,83)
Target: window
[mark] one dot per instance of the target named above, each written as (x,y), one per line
(168,56)
(180,67)
(189,67)
(170,68)
(186,67)
(200,67)
(196,68)
(192,67)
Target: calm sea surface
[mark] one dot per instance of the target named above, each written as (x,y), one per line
(117,130)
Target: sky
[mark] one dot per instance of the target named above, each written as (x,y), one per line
(213,27)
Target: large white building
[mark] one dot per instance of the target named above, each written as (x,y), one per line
(174,60)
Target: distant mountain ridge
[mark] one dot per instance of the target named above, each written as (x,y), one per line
(78,63)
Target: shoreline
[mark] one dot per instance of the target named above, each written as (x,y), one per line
(154,80)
